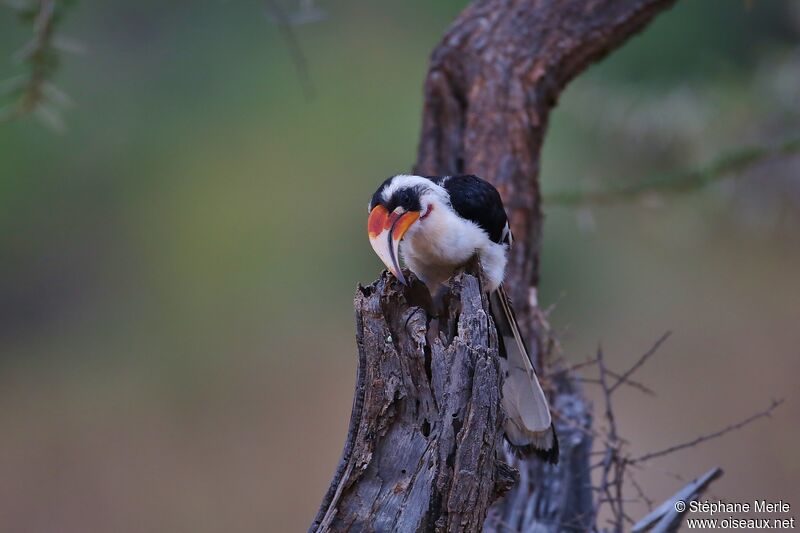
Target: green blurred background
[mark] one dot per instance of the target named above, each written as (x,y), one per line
(177,267)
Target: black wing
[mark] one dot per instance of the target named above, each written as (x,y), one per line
(477,200)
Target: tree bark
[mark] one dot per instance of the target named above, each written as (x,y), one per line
(426,424)
(424,450)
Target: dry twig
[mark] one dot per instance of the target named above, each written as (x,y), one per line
(710,436)
(640,362)
(615,463)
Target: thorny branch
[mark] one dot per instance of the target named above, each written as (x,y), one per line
(624,378)
(615,463)
(710,436)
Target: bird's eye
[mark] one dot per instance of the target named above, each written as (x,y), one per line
(426,211)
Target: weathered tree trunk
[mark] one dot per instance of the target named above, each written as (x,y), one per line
(424,450)
(425,428)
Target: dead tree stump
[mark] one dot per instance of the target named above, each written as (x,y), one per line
(422,451)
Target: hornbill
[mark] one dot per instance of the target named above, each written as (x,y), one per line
(437,224)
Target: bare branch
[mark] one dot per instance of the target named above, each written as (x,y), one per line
(613,464)
(635,384)
(641,361)
(640,491)
(620,378)
(703,438)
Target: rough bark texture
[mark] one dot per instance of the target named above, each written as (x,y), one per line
(424,450)
(425,429)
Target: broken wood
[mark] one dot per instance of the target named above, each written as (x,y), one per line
(666,518)
(426,422)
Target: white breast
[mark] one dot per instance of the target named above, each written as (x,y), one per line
(442,241)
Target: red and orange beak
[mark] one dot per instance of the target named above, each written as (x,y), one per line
(386,230)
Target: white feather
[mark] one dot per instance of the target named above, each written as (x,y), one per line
(441,241)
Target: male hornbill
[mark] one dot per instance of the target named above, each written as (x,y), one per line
(437,224)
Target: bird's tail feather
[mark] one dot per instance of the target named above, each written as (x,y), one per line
(528,424)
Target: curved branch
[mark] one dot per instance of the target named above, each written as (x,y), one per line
(491,85)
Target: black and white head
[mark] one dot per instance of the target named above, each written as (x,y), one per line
(401,205)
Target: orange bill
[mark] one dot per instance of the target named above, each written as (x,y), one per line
(385,231)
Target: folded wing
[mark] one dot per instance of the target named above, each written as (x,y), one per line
(528,423)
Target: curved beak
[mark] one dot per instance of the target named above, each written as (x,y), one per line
(386,230)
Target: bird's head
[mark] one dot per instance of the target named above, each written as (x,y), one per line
(400,203)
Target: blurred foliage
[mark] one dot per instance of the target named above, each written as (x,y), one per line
(161,260)
(724,167)
(33,91)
